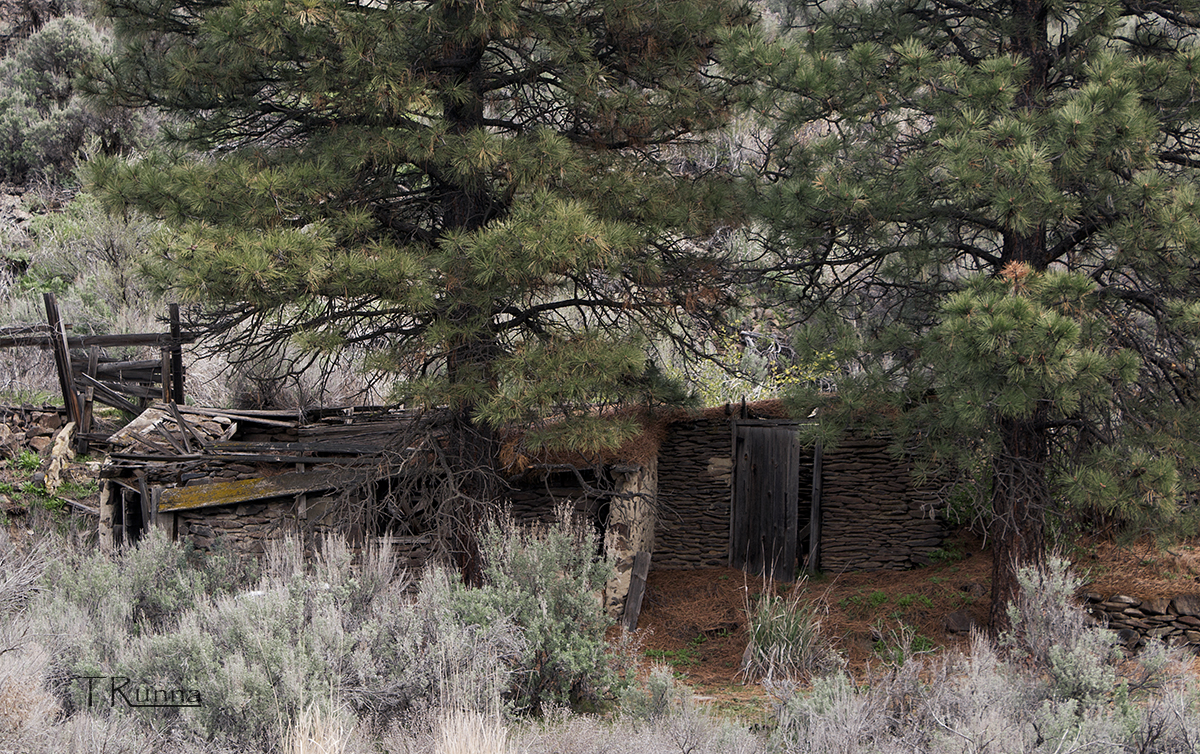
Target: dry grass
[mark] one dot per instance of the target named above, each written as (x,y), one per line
(467,732)
(316,731)
(27,709)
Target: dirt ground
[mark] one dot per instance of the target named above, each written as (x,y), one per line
(695,620)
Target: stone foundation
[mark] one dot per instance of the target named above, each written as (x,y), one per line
(1175,620)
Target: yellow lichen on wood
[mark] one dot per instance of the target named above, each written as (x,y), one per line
(258,488)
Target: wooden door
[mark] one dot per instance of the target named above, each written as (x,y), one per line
(765,503)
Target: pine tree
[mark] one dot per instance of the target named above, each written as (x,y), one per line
(504,202)
(997,201)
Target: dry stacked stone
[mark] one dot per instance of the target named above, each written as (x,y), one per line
(692,530)
(873,518)
(28,429)
(1175,620)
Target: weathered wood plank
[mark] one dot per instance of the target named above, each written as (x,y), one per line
(85,341)
(176,353)
(814,537)
(186,427)
(260,488)
(107,396)
(637,589)
(256,417)
(62,358)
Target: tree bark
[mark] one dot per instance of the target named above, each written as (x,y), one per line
(1020,499)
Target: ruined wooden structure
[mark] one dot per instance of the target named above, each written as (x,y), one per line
(86,374)
(241,478)
(712,489)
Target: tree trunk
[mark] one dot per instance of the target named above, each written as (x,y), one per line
(475,486)
(1020,499)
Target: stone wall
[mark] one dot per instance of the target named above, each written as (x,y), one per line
(1175,620)
(872,516)
(244,528)
(630,528)
(694,469)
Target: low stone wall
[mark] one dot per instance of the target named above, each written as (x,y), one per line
(872,518)
(1175,620)
(694,469)
(31,429)
(244,528)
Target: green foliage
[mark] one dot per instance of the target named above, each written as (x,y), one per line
(902,644)
(161,580)
(785,639)
(684,657)
(25,460)
(661,696)
(990,223)
(1048,628)
(1055,687)
(546,580)
(44,120)
(751,365)
(483,198)
(908,600)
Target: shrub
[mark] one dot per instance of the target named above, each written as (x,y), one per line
(660,697)
(547,579)
(424,652)
(44,120)
(836,716)
(162,581)
(1049,631)
(785,638)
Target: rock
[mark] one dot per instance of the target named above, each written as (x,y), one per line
(1156,606)
(37,431)
(1189,621)
(1186,604)
(1092,597)
(39,444)
(975,590)
(959,622)
(50,421)
(1128,637)
(1124,600)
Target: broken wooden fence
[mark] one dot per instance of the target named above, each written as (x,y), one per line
(92,376)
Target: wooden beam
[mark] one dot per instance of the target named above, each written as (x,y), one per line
(185,427)
(106,395)
(176,354)
(260,488)
(250,416)
(160,339)
(62,359)
(814,520)
(89,402)
(165,375)
(637,589)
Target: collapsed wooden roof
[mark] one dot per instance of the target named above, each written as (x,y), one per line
(190,451)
